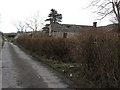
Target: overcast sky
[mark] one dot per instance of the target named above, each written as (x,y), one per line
(73,12)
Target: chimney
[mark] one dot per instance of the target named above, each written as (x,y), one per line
(95,24)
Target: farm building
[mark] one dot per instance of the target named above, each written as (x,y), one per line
(70,30)
(67,30)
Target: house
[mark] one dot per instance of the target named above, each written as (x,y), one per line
(68,30)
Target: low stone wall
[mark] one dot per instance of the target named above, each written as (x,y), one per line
(61,34)
(0,62)
(1,42)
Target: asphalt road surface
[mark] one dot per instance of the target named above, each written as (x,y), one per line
(19,70)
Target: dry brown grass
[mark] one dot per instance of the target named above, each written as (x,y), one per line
(95,51)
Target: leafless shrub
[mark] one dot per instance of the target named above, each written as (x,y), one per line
(97,52)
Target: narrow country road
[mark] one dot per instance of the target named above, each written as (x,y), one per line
(19,70)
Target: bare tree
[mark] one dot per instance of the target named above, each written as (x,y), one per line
(21,27)
(108,7)
(34,23)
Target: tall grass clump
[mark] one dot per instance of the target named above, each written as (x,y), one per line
(55,48)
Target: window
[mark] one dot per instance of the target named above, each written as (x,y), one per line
(64,35)
(68,26)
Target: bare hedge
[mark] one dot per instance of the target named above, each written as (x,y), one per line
(96,52)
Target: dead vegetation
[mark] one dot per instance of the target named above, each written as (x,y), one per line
(94,55)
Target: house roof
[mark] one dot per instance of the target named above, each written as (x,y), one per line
(108,27)
(70,27)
